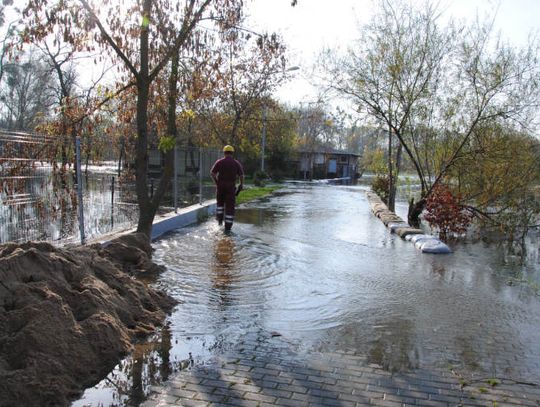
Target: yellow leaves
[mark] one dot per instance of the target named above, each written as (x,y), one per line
(145,22)
(166,143)
(105,92)
(188,114)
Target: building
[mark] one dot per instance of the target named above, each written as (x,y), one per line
(325,164)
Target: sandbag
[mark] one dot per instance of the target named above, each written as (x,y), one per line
(404,232)
(417,237)
(391,218)
(435,246)
(393,226)
(420,242)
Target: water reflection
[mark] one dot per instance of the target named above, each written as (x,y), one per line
(223,267)
(395,353)
(150,364)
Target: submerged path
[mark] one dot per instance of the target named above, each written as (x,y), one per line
(265,371)
(312,302)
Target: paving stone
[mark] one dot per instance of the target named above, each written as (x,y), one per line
(322,379)
(277,379)
(336,402)
(399,398)
(323,393)
(294,388)
(234,401)
(385,403)
(208,397)
(294,376)
(213,383)
(187,394)
(250,387)
(192,403)
(292,403)
(259,397)
(456,399)
(277,393)
(343,387)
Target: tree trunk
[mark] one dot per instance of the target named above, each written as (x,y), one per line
(146,216)
(391,186)
(146,212)
(392,189)
(151,205)
(415,210)
(121,156)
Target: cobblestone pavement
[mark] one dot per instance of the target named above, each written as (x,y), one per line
(263,370)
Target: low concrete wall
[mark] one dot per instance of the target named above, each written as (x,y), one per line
(169,221)
(185,216)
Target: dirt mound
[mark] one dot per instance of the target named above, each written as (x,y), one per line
(67,315)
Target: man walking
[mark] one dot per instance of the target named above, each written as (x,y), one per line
(224,173)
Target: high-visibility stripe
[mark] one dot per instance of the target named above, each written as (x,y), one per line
(229,217)
(228,222)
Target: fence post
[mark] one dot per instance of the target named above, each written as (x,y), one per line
(112,203)
(200,176)
(80,191)
(175,180)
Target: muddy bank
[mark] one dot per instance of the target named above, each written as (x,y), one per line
(67,315)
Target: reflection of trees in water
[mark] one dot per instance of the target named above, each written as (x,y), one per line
(395,351)
(149,365)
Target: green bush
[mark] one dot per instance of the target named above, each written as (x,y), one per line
(259,178)
(381,187)
(278,175)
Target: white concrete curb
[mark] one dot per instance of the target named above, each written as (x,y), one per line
(185,216)
(168,222)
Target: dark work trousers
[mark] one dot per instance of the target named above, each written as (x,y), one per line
(225,197)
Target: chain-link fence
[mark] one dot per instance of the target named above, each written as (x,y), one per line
(38,197)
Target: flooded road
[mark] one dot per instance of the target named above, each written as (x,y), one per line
(313,265)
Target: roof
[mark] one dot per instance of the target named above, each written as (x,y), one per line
(328,151)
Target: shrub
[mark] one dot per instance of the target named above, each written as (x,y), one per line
(381,187)
(444,211)
(259,178)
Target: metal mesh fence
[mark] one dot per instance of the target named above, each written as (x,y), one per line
(38,200)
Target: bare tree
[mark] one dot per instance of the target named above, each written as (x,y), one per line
(433,87)
(25,94)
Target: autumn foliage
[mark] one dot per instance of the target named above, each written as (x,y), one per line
(444,211)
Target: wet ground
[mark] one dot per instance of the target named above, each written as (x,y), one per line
(312,270)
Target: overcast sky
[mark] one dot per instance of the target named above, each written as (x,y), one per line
(314,24)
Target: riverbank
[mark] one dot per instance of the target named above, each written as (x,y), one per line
(69,314)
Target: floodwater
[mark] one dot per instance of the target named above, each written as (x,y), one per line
(314,265)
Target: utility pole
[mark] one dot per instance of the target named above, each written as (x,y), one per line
(263,144)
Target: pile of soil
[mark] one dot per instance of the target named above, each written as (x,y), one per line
(68,315)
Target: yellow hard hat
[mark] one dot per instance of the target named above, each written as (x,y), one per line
(228,149)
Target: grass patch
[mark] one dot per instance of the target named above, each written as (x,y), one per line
(492,382)
(251,193)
